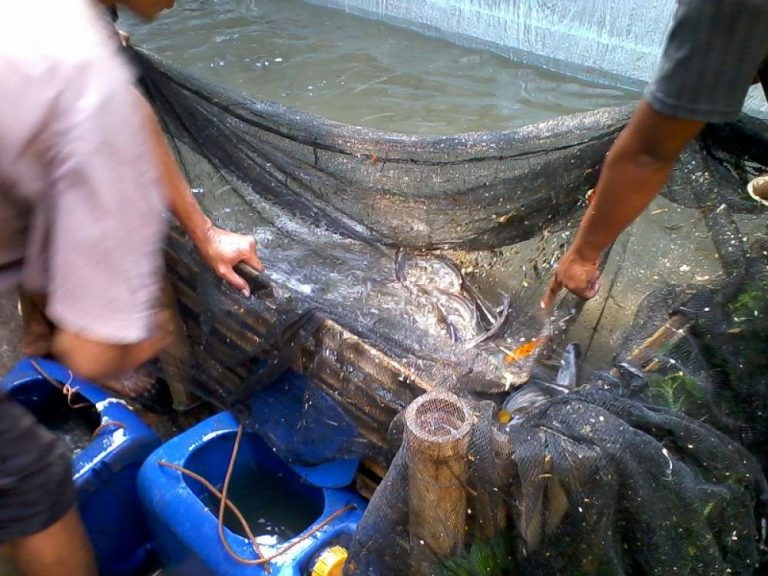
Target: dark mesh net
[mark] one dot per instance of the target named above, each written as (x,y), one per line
(399,265)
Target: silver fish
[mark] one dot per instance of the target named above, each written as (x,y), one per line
(568,374)
(457,306)
(540,387)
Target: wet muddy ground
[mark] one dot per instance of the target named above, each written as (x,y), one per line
(10,330)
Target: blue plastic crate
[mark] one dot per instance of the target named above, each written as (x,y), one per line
(106,469)
(183,517)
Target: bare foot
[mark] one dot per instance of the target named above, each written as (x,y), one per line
(137,383)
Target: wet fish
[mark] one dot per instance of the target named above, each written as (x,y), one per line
(428,272)
(487,315)
(523,351)
(458,307)
(460,314)
(525,398)
(540,387)
(568,374)
(495,328)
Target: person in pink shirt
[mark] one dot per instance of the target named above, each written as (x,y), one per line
(86,178)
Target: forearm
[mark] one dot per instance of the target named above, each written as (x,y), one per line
(220,249)
(637,167)
(181,203)
(628,183)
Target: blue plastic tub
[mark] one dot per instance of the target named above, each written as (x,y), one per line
(183,515)
(105,469)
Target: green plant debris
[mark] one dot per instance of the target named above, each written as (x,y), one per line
(492,558)
(676,391)
(750,307)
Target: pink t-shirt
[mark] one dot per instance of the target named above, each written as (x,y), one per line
(81,202)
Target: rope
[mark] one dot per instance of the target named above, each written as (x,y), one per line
(107,424)
(225,502)
(213,490)
(70,392)
(66,388)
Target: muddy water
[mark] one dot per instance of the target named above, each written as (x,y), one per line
(360,71)
(274,510)
(76,426)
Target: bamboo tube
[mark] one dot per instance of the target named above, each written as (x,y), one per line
(666,336)
(438,428)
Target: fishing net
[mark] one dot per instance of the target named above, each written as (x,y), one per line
(398,322)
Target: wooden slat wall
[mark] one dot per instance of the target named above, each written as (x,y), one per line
(369,386)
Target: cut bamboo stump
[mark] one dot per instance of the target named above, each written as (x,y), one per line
(438,428)
(668,334)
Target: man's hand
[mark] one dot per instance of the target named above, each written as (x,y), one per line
(222,249)
(637,166)
(580,276)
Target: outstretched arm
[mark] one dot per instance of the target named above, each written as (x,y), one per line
(637,166)
(220,249)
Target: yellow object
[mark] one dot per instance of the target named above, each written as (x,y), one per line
(331,562)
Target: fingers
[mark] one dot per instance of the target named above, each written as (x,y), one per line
(586,289)
(591,290)
(239,283)
(245,252)
(251,258)
(552,291)
(581,277)
(125,38)
(224,250)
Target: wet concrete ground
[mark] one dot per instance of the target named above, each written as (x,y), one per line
(10,330)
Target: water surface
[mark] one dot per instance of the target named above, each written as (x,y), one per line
(359,71)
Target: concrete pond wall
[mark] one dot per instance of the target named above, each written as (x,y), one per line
(617,43)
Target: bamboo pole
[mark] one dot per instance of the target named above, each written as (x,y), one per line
(438,428)
(668,334)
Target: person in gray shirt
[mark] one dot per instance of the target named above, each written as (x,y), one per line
(713,53)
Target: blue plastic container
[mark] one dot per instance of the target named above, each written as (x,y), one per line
(183,516)
(106,469)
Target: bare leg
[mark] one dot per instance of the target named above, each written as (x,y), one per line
(62,549)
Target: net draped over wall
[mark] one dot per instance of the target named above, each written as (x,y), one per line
(399,265)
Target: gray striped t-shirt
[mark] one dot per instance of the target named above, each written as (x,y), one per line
(713,52)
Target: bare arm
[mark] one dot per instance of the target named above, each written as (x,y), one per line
(220,248)
(636,168)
